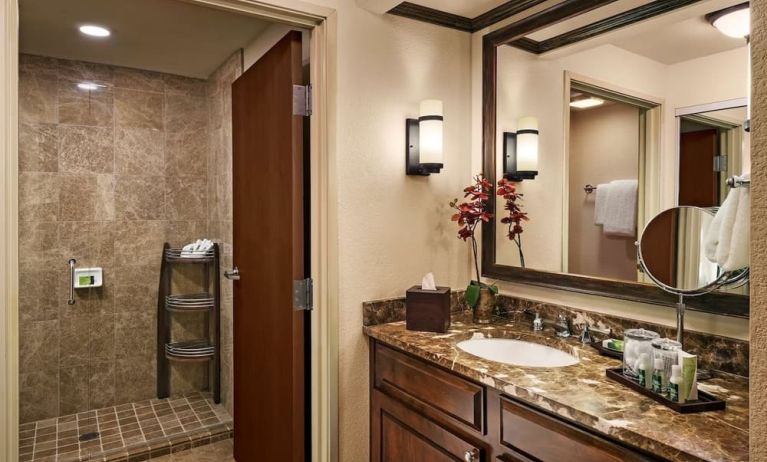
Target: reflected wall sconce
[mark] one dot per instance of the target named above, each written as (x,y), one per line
(423,140)
(520,151)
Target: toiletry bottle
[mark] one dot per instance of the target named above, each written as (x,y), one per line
(642,371)
(675,384)
(657,376)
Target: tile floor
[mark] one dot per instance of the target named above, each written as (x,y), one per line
(129,432)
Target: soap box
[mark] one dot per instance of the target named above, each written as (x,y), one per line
(427,310)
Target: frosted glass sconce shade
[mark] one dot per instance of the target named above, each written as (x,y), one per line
(520,151)
(424,140)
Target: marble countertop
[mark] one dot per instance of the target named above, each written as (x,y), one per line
(583,394)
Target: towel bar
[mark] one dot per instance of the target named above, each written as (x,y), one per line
(735,182)
(589,188)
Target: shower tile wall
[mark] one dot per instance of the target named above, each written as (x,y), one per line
(220,201)
(106,177)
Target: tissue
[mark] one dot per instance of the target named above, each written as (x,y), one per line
(427,283)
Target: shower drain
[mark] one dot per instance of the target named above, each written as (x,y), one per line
(89,436)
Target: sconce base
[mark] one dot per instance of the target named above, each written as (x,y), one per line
(521,175)
(412,156)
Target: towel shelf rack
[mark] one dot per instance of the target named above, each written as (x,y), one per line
(205,300)
(735,182)
(589,188)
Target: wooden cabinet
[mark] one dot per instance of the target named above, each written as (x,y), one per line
(425,413)
(403,435)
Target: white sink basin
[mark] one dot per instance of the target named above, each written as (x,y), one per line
(517,352)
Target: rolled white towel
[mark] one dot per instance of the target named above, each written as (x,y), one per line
(726,242)
(737,255)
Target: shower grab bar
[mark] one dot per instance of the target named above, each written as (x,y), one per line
(71,300)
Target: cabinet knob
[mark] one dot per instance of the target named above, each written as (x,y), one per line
(470,456)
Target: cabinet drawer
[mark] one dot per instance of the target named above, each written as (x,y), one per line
(547,439)
(399,374)
(401,435)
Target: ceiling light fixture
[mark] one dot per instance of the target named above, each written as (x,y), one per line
(89,86)
(734,21)
(95,31)
(586,103)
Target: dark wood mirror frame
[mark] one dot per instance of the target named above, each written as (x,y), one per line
(716,303)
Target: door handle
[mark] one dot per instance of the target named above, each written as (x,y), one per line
(470,456)
(233,275)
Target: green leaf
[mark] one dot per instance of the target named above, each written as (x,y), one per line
(472,295)
(493,288)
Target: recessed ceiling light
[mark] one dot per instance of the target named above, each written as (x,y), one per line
(90,86)
(95,31)
(586,103)
(734,21)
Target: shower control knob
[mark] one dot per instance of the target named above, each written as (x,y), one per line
(234,275)
(470,456)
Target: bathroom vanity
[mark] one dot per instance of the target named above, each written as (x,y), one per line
(430,401)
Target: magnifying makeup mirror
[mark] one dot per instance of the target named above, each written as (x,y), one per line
(671,252)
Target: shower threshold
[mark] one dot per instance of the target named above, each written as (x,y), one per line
(128,432)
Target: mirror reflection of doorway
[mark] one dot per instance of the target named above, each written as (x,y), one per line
(609,134)
(711,148)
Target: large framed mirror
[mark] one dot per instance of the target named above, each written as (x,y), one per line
(604,117)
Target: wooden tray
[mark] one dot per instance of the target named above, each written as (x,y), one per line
(704,403)
(607,351)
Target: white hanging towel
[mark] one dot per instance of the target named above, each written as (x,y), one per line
(600,204)
(620,214)
(728,236)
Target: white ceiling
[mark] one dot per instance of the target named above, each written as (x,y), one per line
(680,35)
(467,8)
(689,39)
(161,35)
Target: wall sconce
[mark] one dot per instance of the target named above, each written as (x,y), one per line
(423,140)
(520,151)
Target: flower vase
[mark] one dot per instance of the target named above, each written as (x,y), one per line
(483,311)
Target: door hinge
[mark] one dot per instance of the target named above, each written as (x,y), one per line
(303,298)
(302,100)
(720,163)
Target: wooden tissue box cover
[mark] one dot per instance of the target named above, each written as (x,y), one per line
(427,310)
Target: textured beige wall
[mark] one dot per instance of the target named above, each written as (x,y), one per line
(393,228)
(758,426)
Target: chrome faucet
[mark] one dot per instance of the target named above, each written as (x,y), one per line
(563,326)
(537,322)
(586,335)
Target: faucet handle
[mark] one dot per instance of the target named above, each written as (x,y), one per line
(537,322)
(586,334)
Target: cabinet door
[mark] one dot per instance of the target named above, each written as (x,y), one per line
(400,434)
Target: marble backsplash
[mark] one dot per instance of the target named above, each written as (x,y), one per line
(714,352)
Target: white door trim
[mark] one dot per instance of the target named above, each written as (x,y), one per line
(324,347)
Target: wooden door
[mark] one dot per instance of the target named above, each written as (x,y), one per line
(399,433)
(269,249)
(698,182)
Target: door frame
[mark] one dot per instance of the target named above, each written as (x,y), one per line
(650,142)
(324,249)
